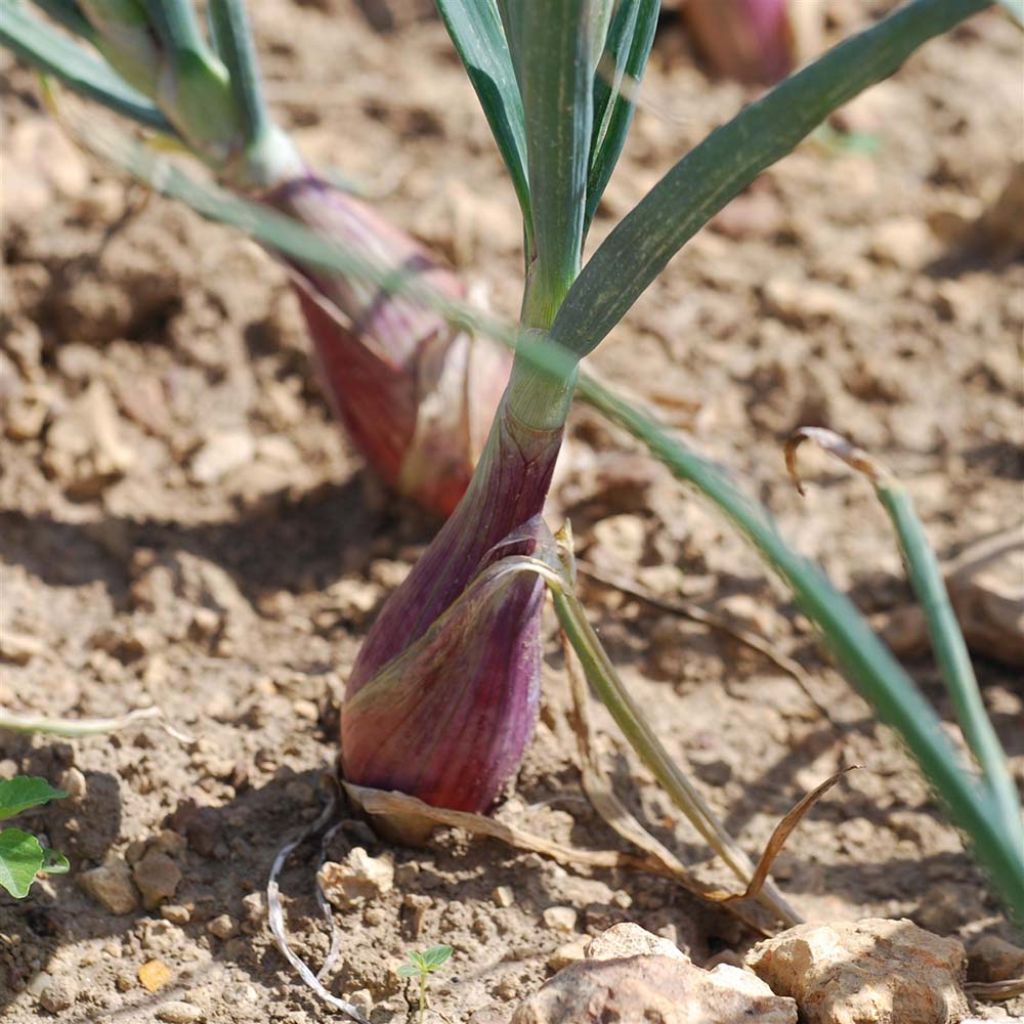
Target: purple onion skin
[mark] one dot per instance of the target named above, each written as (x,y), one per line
(381,356)
(449,721)
(749,40)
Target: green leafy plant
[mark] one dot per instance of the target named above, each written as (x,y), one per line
(422,966)
(442,699)
(22,856)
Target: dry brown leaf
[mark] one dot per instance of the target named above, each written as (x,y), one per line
(778,839)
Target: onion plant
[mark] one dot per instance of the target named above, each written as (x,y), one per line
(443,696)
(415,395)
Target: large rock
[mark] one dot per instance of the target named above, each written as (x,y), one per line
(633,977)
(872,971)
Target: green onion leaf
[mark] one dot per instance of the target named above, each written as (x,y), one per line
(550,45)
(55,54)
(616,80)
(946,636)
(68,14)
(475,29)
(715,171)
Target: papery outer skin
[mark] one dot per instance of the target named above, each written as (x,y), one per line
(750,40)
(449,720)
(415,394)
(452,727)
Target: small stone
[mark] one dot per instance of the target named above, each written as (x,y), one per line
(154,974)
(19,648)
(362,1000)
(373,917)
(306,709)
(206,623)
(222,453)
(73,783)
(223,927)
(25,416)
(58,994)
(176,913)
(135,851)
(416,906)
(904,242)
(994,959)
(111,885)
(560,919)
(868,970)
(254,908)
(802,302)
(503,896)
(628,939)
(157,877)
(359,877)
(170,842)
(569,953)
(178,1012)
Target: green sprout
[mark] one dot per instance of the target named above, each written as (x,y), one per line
(22,856)
(422,966)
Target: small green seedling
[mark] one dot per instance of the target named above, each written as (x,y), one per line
(422,965)
(22,856)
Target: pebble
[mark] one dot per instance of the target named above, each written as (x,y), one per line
(154,975)
(994,959)
(73,783)
(503,896)
(58,994)
(157,877)
(223,927)
(362,999)
(904,242)
(560,919)
(178,1012)
(19,648)
(222,452)
(254,909)
(801,302)
(359,877)
(628,939)
(416,906)
(111,885)
(569,953)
